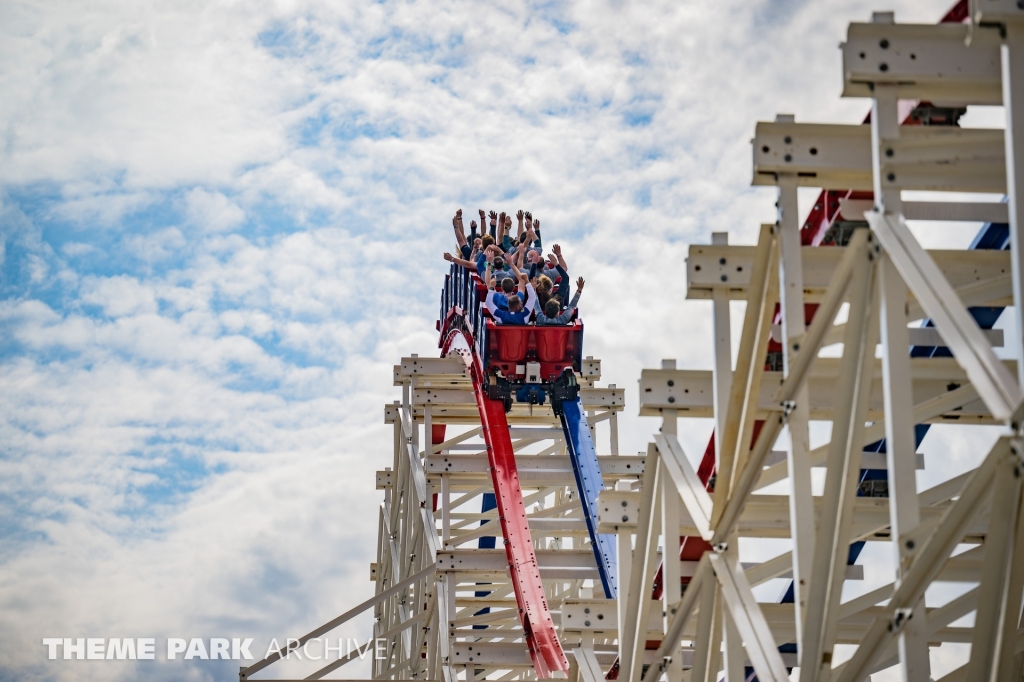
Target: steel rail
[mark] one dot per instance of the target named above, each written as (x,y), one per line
(542,642)
(587,472)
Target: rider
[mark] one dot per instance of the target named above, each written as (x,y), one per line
(552,314)
(518,312)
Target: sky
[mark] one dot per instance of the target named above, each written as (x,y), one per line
(222,223)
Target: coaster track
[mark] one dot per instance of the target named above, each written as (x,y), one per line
(589,484)
(538,629)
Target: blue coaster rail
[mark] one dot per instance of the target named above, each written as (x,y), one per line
(587,472)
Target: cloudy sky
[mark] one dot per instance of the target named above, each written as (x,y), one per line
(221,224)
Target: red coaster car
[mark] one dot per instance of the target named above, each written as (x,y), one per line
(533,354)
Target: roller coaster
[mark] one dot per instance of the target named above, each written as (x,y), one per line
(495,440)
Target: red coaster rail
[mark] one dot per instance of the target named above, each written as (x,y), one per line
(461,314)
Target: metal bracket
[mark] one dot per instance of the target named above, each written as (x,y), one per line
(564,387)
(788,407)
(899,619)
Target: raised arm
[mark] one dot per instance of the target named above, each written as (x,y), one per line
(530,242)
(520,275)
(558,254)
(469,265)
(562,290)
(576,298)
(460,232)
(521,254)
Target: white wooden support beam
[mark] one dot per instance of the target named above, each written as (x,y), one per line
(750,621)
(445,613)
(590,669)
(670,520)
(967,211)
(922,412)
(930,336)
(412,426)
(669,648)
(722,331)
(791,296)
(706,645)
(749,366)
(767,516)
(428,432)
(966,271)
(855,259)
(927,565)
(832,542)
(669,416)
(932,380)
(926,61)
(963,337)
(992,591)
(715,662)
(963,211)
(933,158)
(613,429)
(947,159)
(733,653)
(811,154)
(1008,17)
(896,379)
(632,633)
(624,562)
(900,448)
(1012,59)
(885,131)
(446,516)
(1010,662)
(855,436)
(686,483)
(670,582)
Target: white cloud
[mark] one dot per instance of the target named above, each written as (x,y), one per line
(119,296)
(213,211)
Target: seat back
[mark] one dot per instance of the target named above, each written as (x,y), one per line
(552,342)
(513,341)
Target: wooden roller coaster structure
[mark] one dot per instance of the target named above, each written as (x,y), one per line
(495,439)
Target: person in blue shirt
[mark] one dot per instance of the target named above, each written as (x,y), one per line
(553,313)
(508,290)
(518,312)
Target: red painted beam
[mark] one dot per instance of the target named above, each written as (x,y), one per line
(539,630)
